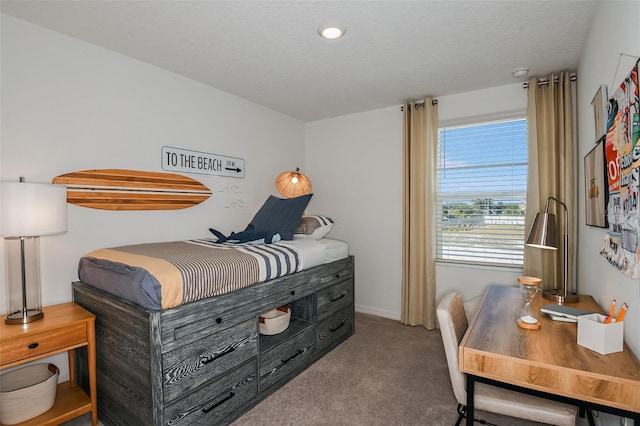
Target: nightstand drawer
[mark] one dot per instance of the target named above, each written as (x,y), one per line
(42,343)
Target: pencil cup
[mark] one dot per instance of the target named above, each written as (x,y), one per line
(599,337)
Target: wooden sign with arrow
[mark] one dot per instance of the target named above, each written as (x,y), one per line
(188,161)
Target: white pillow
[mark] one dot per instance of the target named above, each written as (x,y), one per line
(314,227)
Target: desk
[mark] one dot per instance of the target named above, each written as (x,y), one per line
(546,362)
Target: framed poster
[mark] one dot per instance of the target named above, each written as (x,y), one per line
(599,104)
(596,186)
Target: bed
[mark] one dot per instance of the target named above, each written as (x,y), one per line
(177,333)
(160,276)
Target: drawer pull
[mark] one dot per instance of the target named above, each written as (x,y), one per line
(218,320)
(293,292)
(34,345)
(339,296)
(338,275)
(297,354)
(219,403)
(338,327)
(220,355)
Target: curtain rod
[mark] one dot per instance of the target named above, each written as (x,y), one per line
(545,81)
(421,103)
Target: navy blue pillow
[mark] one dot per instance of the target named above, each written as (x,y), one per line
(281,215)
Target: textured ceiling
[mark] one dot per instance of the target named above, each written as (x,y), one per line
(269,52)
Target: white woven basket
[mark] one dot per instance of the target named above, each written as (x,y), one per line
(275,321)
(27,392)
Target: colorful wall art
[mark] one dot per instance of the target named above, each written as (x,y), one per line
(623,173)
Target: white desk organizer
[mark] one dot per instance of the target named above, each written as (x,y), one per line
(599,337)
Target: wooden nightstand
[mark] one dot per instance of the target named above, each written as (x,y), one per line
(64,328)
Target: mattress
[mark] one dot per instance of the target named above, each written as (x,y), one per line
(160,276)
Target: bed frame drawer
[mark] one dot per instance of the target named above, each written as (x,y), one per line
(335,298)
(330,331)
(190,366)
(210,404)
(287,357)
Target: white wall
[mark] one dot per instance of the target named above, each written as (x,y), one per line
(615,30)
(356,164)
(68,106)
(356,161)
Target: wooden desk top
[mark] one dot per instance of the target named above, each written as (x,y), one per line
(548,359)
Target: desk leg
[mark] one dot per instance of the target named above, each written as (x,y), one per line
(470,408)
(91,358)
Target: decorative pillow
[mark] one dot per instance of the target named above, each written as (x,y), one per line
(280,215)
(313,227)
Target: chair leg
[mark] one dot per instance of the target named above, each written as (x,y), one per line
(587,412)
(462,413)
(462,410)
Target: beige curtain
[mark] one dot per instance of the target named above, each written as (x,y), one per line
(418,244)
(551,172)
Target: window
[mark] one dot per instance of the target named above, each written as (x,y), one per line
(481,193)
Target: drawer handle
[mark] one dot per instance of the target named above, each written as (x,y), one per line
(219,403)
(338,327)
(339,296)
(293,292)
(338,275)
(34,345)
(218,320)
(220,355)
(297,354)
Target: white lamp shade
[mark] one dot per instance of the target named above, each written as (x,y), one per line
(32,209)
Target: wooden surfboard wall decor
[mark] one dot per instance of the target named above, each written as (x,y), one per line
(116,189)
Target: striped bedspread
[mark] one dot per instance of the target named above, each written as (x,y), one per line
(191,270)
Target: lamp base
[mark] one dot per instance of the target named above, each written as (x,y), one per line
(21,317)
(560,298)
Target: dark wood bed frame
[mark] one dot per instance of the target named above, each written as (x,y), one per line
(205,363)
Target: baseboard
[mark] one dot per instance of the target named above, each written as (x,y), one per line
(378,312)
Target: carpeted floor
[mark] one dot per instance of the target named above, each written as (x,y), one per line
(385,374)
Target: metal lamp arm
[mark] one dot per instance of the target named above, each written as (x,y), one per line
(565,249)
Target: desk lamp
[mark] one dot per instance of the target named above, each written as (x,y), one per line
(543,235)
(28,211)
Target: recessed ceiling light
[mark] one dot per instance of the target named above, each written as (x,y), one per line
(520,72)
(331,32)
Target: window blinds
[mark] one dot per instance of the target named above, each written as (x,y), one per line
(481,192)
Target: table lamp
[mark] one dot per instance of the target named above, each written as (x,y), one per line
(543,235)
(28,211)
